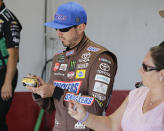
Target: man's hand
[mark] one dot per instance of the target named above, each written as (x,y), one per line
(44,90)
(6,91)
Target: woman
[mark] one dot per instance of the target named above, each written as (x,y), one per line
(142,110)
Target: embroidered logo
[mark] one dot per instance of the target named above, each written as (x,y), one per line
(104,67)
(73,86)
(68,53)
(85,57)
(80,74)
(72,65)
(56,67)
(61,58)
(93,49)
(84,100)
(60,17)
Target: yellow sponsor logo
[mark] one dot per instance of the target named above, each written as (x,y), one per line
(1,21)
(80,74)
(14,22)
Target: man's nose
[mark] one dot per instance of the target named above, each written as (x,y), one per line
(59,33)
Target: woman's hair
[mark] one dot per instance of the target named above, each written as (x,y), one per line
(157,54)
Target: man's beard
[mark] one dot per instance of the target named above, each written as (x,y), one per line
(65,44)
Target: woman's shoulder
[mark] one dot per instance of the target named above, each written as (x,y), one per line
(137,93)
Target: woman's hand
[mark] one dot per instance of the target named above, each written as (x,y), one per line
(76,110)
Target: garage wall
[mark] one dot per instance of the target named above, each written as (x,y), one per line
(128,28)
(31,15)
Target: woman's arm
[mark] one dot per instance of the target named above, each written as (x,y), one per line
(98,123)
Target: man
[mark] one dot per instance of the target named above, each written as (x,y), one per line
(161,12)
(83,71)
(9,45)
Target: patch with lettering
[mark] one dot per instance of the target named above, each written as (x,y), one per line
(60,17)
(103,72)
(93,49)
(105,60)
(82,66)
(99,96)
(63,67)
(72,86)
(102,78)
(58,74)
(14,22)
(80,74)
(68,53)
(100,87)
(59,52)
(61,58)
(84,100)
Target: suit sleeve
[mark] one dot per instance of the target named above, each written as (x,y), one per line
(12,34)
(101,79)
(46,103)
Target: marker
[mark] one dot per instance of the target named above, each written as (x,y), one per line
(75,107)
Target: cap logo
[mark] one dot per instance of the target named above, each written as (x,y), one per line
(60,17)
(77,19)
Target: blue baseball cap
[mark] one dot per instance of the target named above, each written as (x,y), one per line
(67,15)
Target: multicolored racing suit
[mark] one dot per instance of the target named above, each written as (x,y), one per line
(9,38)
(88,69)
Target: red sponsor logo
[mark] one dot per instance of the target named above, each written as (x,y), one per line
(56,67)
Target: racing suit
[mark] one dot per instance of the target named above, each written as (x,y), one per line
(88,69)
(9,38)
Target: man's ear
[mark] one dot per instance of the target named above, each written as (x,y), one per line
(162,73)
(81,28)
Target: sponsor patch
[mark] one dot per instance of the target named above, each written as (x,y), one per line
(80,74)
(61,58)
(79,126)
(99,102)
(73,86)
(84,100)
(58,74)
(99,96)
(1,21)
(104,67)
(15,27)
(93,49)
(100,88)
(85,57)
(15,33)
(105,60)
(68,53)
(103,72)
(63,67)
(56,67)
(60,17)
(16,40)
(14,22)
(57,123)
(71,74)
(82,66)
(59,52)
(72,65)
(102,78)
